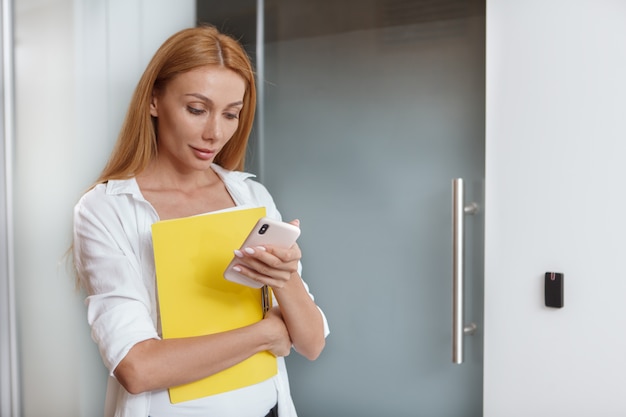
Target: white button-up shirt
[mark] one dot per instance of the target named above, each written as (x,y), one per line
(115,264)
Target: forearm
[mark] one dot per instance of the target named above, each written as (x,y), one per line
(302,317)
(158,364)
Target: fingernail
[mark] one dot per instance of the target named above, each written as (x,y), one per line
(249,250)
(236,268)
(261,248)
(238,253)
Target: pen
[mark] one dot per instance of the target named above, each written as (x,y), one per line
(265,299)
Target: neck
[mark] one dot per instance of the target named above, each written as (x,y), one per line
(156,176)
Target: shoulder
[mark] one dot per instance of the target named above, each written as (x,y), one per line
(92,200)
(115,199)
(107,194)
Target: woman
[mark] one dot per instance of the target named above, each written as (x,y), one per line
(178,154)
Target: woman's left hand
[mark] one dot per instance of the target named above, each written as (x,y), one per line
(270,265)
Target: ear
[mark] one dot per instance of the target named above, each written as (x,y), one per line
(153,105)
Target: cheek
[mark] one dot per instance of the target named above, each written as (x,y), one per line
(232,130)
(180,126)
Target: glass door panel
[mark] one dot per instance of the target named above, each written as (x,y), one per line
(370,109)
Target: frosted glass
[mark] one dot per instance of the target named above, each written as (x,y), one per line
(365,130)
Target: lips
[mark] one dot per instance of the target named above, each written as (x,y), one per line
(202,153)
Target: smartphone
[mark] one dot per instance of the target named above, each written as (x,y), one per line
(266,232)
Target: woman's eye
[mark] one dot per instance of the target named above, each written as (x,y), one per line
(194,110)
(232,116)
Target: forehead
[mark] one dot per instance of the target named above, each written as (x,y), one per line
(210,80)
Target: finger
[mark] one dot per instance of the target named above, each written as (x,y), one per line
(276,280)
(280,258)
(264,273)
(286,255)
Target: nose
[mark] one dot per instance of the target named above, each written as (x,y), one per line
(212,128)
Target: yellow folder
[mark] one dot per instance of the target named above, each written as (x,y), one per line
(194,298)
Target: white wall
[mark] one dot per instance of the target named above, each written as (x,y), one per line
(53,340)
(556,141)
(70,102)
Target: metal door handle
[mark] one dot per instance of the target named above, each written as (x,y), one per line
(459,209)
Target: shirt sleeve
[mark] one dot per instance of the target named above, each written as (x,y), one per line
(119,308)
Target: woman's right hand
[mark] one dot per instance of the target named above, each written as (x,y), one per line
(280,342)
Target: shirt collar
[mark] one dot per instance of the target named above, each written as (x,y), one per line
(128,186)
(227,175)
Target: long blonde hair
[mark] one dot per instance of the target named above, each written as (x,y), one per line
(184,51)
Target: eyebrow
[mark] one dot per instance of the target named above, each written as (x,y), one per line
(208,100)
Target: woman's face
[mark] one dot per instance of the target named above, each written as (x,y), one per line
(197,113)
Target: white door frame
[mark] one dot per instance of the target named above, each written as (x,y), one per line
(9,386)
